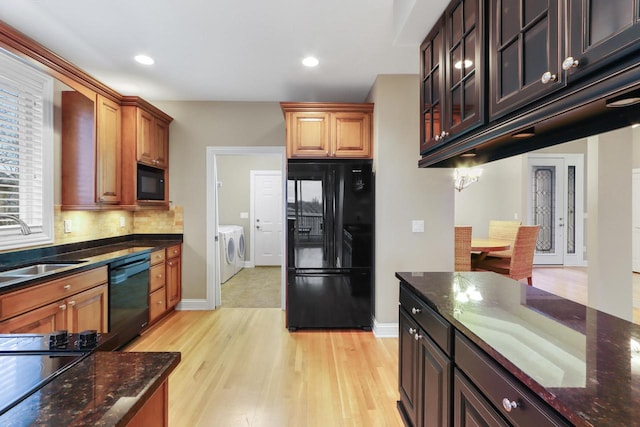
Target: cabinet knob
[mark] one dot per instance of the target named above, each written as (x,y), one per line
(62,306)
(415,310)
(418,337)
(71,303)
(569,63)
(159,302)
(548,77)
(508,405)
(67,287)
(171,263)
(159,276)
(412,331)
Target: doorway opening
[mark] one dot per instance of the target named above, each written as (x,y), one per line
(244,215)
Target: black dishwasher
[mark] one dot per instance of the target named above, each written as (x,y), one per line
(128,296)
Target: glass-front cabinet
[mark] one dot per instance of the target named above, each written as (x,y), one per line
(452,78)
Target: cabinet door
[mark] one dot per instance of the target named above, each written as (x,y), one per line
(145,137)
(470,407)
(464,82)
(109,143)
(601,31)
(308,134)
(161,145)
(43,320)
(525,45)
(88,310)
(435,384)
(351,134)
(432,84)
(174,281)
(408,367)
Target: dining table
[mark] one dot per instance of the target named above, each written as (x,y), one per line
(486,245)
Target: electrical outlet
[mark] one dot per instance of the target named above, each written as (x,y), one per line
(68,226)
(417,226)
(122,222)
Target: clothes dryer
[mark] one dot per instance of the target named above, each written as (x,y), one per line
(227,242)
(240,247)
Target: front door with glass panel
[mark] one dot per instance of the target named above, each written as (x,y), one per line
(556,204)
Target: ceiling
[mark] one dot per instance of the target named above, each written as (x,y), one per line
(232,50)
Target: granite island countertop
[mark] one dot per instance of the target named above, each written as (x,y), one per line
(102,389)
(584,363)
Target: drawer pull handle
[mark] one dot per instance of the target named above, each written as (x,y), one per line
(67,287)
(415,310)
(412,331)
(508,405)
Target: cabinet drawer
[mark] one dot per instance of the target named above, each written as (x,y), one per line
(174,251)
(27,299)
(435,325)
(157,257)
(157,304)
(156,277)
(497,384)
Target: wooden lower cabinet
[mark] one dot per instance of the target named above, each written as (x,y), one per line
(174,275)
(434,394)
(155,411)
(425,377)
(165,281)
(75,303)
(471,409)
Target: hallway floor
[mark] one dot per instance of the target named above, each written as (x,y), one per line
(258,287)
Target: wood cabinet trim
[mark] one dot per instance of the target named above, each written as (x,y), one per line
(325,107)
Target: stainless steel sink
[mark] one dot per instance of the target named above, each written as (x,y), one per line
(34,270)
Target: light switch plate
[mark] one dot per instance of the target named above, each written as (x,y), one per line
(244,215)
(68,226)
(122,222)
(417,226)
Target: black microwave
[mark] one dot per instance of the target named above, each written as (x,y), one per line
(150,183)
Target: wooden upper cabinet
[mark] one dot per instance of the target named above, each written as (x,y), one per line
(525,49)
(452,70)
(600,31)
(109,145)
(91,151)
(152,139)
(320,130)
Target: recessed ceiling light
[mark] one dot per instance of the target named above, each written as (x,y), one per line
(144,59)
(310,61)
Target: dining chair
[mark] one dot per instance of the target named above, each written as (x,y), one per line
(462,235)
(520,264)
(503,230)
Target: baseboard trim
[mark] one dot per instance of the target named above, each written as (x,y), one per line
(194,304)
(385,330)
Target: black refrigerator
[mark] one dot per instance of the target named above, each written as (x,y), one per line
(330,227)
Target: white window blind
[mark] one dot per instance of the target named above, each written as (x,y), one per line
(26,154)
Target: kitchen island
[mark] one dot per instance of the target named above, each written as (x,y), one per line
(476,348)
(101,389)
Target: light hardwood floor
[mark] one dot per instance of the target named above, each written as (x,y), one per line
(241,367)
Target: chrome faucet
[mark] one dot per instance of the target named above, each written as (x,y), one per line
(24,228)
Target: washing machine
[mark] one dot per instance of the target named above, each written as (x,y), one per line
(228,250)
(239,247)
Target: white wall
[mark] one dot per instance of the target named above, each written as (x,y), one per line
(404,193)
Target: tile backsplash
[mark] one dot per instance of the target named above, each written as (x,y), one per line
(92,225)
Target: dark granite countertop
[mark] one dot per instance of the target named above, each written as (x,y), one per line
(582,362)
(93,254)
(102,389)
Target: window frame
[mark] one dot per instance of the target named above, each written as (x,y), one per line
(11,237)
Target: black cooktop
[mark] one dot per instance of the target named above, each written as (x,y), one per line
(29,361)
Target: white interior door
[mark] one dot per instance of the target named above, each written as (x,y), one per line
(635,221)
(266,218)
